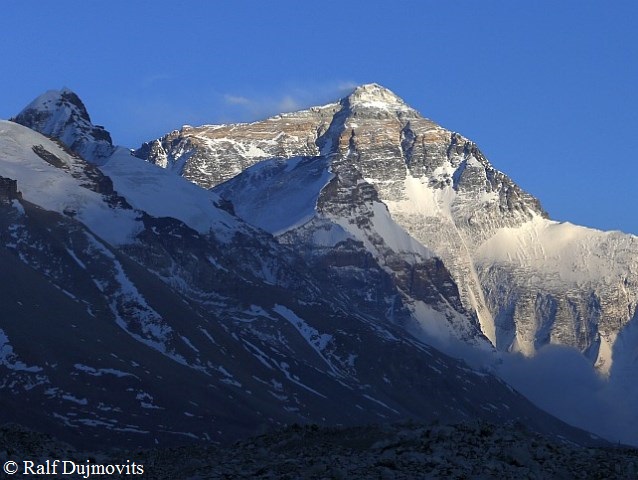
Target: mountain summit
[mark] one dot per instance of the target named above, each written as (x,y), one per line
(62,115)
(372,97)
(373,143)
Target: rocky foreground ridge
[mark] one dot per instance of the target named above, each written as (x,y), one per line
(472,449)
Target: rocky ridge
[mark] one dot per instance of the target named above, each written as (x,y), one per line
(234,147)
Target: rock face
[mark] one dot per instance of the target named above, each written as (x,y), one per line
(8,190)
(513,276)
(210,155)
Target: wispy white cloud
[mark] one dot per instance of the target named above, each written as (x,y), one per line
(289,104)
(236,100)
(150,115)
(154,78)
(253,105)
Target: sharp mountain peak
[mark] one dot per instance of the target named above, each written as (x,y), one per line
(56,100)
(372,100)
(375,92)
(62,115)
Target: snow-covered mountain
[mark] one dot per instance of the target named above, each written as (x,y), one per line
(372,170)
(139,309)
(62,115)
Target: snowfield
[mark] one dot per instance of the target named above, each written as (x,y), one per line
(56,188)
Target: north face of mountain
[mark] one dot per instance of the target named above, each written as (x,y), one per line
(523,281)
(131,322)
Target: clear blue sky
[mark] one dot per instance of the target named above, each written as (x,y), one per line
(547,89)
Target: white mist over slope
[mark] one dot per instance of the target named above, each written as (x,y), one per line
(559,380)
